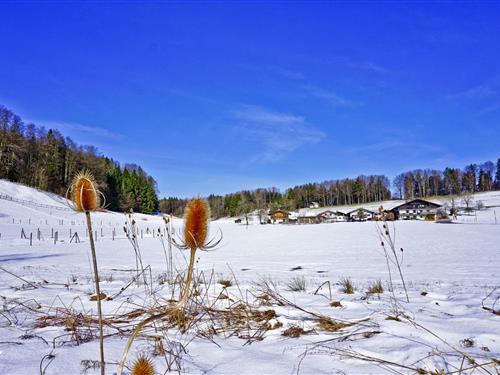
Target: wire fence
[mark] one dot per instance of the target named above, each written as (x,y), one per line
(33,204)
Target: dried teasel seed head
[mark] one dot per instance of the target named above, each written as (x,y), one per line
(84,193)
(143,366)
(196,218)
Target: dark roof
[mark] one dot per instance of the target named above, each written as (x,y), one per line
(361,209)
(423,201)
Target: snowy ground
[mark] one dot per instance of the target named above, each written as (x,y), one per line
(449,270)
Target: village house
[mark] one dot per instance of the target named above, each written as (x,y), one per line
(314,205)
(253,218)
(416,209)
(323,217)
(279,217)
(332,216)
(361,214)
(310,219)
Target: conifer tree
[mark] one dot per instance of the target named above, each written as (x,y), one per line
(497,175)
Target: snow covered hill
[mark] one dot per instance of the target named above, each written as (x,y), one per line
(32,210)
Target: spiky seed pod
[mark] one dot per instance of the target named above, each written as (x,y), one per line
(143,366)
(196,218)
(84,193)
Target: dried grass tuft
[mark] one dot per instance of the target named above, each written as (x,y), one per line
(297,284)
(376,288)
(226,283)
(294,331)
(331,325)
(347,286)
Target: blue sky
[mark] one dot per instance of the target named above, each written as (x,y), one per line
(219,97)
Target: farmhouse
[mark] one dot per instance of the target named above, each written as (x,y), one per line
(279,216)
(252,218)
(361,214)
(332,216)
(416,209)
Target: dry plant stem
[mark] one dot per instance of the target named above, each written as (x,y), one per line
(19,277)
(394,299)
(136,331)
(185,292)
(170,267)
(134,240)
(97,289)
(385,234)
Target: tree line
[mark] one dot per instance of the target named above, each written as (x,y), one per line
(46,160)
(418,183)
(473,178)
(362,189)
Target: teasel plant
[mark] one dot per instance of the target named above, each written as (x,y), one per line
(86,198)
(196,218)
(168,254)
(143,366)
(132,233)
(392,256)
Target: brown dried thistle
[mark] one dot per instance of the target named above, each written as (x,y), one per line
(86,198)
(84,193)
(143,366)
(196,217)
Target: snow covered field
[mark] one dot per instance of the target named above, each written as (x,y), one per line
(450,270)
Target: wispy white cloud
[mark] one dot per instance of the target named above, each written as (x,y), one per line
(287,73)
(260,115)
(486,95)
(301,83)
(330,96)
(488,89)
(409,147)
(491,108)
(278,133)
(482,91)
(365,65)
(72,127)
